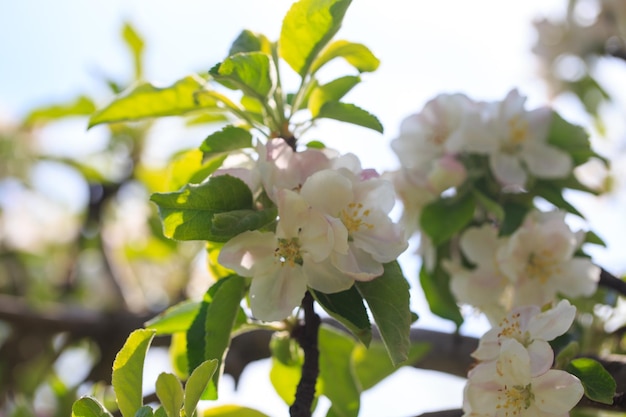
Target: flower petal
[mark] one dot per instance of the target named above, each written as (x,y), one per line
(557,391)
(273,296)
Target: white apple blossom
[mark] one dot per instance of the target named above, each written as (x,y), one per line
(484,286)
(533,329)
(284,264)
(362,206)
(538,259)
(506,388)
(520,143)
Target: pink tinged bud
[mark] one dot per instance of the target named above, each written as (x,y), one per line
(446,172)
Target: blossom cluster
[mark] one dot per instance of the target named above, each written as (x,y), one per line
(333,227)
(530,267)
(514,376)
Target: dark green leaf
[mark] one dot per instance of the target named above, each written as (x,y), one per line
(146,101)
(307,28)
(372,365)
(349,113)
(230,138)
(147,411)
(89,407)
(330,92)
(571,139)
(554,194)
(336,372)
(175,319)
(169,390)
(347,307)
(489,205)
(285,349)
(436,287)
(227,225)
(591,237)
(188,214)
(388,299)
(357,55)
(444,218)
(128,371)
(248,41)
(514,214)
(250,72)
(209,335)
(197,384)
(82,106)
(598,383)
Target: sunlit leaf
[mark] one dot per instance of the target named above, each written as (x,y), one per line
(147,411)
(230,138)
(89,407)
(191,168)
(598,383)
(248,41)
(349,113)
(250,72)
(332,91)
(145,101)
(128,371)
(347,307)
(388,299)
(188,214)
(169,390)
(232,411)
(81,106)
(336,373)
(357,55)
(175,319)
(197,384)
(136,45)
(178,354)
(307,28)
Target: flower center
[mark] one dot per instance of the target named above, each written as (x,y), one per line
(288,252)
(353,217)
(515,399)
(510,328)
(518,133)
(540,265)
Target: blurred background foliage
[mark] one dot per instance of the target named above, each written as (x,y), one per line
(83,260)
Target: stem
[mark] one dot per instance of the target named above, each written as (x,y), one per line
(306,335)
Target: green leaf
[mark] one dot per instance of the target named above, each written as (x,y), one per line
(230,138)
(570,138)
(357,55)
(307,28)
(250,72)
(347,308)
(489,205)
(598,383)
(147,411)
(128,371)
(175,319)
(436,287)
(89,407)
(248,41)
(554,194)
(332,91)
(285,378)
(136,46)
(160,412)
(285,349)
(209,335)
(349,113)
(514,214)
(188,214)
(446,217)
(81,106)
(178,354)
(372,365)
(336,373)
(227,225)
(146,101)
(197,384)
(388,299)
(189,167)
(169,390)
(591,237)
(232,411)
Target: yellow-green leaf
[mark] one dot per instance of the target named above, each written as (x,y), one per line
(170,393)
(357,55)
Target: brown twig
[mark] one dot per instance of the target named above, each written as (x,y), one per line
(306,335)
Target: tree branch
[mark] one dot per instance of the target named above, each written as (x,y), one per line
(306,335)
(610,281)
